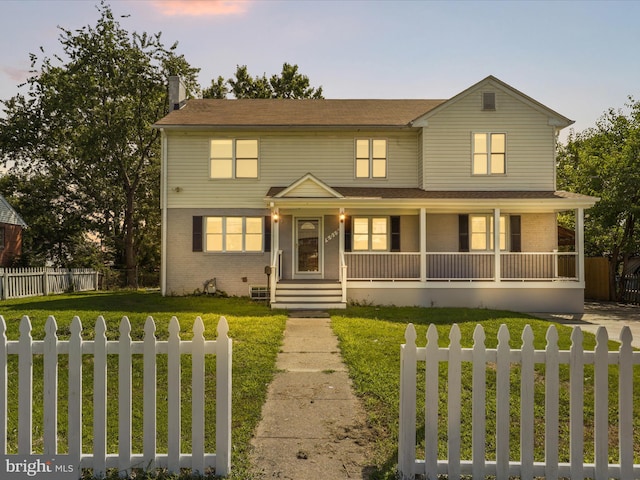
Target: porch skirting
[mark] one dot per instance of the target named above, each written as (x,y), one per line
(520,297)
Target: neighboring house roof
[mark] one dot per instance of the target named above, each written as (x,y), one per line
(301,113)
(9,215)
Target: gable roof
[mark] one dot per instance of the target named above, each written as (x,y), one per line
(554,117)
(308,186)
(301,113)
(9,215)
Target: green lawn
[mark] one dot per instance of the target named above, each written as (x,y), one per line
(370,339)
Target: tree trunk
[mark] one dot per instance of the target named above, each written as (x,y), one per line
(129,246)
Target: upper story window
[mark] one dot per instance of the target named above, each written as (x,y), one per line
(481,232)
(234,158)
(234,234)
(370,234)
(489,154)
(371,158)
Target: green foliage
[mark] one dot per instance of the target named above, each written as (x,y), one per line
(604,161)
(289,84)
(84,131)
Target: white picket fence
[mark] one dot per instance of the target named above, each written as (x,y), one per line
(33,282)
(75,348)
(501,360)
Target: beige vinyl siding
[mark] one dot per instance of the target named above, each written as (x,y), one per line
(530,145)
(284,158)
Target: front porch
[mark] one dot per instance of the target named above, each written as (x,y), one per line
(438,279)
(416,247)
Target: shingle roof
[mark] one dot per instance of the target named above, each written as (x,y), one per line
(417,193)
(9,215)
(304,113)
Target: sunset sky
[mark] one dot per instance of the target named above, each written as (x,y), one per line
(577,57)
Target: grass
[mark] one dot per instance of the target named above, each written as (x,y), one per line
(370,339)
(256,332)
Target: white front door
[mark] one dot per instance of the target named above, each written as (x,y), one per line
(308,247)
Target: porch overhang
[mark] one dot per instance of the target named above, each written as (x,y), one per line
(434,201)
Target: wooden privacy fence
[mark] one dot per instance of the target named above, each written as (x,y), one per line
(33,282)
(480,363)
(77,350)
(631,289)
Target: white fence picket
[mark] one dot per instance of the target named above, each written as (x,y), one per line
(100,397)
(25,388)
(551,407)
(576,413)
(526,358)
(479,393)
(124,396)
(50,410)
(503,394)
(174,395)
(527,411)
(601,410)
(149,394)
(127,350)
(454,396)
(625,403)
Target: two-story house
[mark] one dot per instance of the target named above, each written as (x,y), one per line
(406,202)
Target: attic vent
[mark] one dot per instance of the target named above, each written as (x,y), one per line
(488,101)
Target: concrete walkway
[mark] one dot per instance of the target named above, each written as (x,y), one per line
(611,315)
(312,427)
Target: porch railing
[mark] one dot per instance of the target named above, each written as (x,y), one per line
(474,266)
(382,266)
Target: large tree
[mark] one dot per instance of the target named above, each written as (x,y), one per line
(604,161)
(85,124)
(289,84)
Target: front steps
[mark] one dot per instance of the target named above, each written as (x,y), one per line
(308,295)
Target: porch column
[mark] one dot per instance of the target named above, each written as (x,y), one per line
(342,266)
(497,274)
(423,244)
(275,247)
(580,243)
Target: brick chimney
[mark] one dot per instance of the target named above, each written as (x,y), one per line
(177,93)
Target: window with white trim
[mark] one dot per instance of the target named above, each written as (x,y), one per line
(370,234)
(233,158)
(371,158)
(481,232)
(489,154)
(234,234)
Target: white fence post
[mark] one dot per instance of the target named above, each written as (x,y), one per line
(223,399)
(407,438)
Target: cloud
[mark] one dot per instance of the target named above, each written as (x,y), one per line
(18,75)
(197,8)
